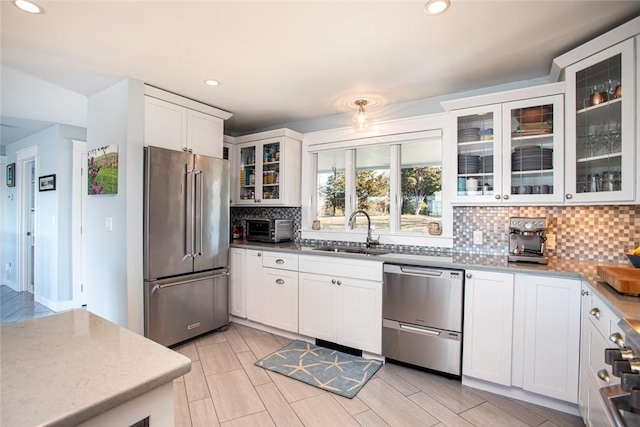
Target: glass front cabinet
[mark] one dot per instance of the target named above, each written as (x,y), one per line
(510,152)
(600,127)
(268,171)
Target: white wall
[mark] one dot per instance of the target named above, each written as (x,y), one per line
(114,278)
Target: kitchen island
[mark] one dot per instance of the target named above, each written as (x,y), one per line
(76,368)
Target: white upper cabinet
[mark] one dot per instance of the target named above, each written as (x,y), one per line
(601,120)
(509,147)
(178,123)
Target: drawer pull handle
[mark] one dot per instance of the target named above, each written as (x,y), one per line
(280,282)
(616,338)
(279,261)
(259,253)
(339,282)
(595,312)
(333,281)
(604,375)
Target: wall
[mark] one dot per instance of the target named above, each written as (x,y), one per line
(53,226)
(114,258)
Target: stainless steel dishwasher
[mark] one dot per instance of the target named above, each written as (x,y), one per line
(422,317)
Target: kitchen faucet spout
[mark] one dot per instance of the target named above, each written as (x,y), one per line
(352,222)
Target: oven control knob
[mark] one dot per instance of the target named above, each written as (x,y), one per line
(528,226)
(612,354)
(626,366)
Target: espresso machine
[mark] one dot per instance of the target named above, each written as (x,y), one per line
(527,240)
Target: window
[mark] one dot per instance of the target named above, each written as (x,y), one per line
(396,179)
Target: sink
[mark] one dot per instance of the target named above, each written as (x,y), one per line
(352,250)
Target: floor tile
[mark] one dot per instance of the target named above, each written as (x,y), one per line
(263,346)
(189,350)
(560,418)
(235,340)
(217,358)
(322,411)
(203,413)
(512,407)
(279,410)
(489,414)
(369,419)
(293,390)
(353,406)
(213,338)
(261,419)
(195,383)
(181,412)
(257,375)
(403,386)
(393,407)
(438,410)
(246,332)
(233,395)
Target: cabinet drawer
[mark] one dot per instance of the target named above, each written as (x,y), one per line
(280,260)
(342,267)
(594,356)
(602,317)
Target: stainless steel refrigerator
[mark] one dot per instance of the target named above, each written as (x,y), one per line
(186,245)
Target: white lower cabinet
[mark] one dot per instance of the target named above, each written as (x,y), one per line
(523,331)
(552,337)
(253,284)
(280,298)
(339,307)
(237,283)
(488,326)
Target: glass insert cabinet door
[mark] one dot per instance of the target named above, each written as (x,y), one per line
(600,123)
(477,133)
(260,172)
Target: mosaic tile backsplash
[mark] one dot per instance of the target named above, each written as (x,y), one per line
(584,233)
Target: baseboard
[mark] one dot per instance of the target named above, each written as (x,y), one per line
(10,284)
(53,305)
(520,394)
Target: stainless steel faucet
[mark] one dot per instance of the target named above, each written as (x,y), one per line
(351,224)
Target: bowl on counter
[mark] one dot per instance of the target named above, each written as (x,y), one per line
(635,260)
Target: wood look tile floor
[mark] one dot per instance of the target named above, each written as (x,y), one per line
(19,306)
(224,388)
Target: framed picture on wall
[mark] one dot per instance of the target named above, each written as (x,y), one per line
(47,183)
(11,175)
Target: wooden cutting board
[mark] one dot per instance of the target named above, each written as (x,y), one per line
(625,280)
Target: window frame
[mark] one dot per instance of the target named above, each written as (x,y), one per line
(392,133)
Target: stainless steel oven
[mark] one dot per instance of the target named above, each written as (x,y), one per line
(422,317)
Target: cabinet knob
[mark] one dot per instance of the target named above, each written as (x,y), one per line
(339,282)
(568,196)
(279,261)
(259,253)
(468,275)
(333,281)
(584,292)
(280,281)
(506,197)
(497,197)
(595,312)
(604,375)
(616,338)
(185,149)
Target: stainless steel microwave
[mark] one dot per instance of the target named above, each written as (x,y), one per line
(269,230)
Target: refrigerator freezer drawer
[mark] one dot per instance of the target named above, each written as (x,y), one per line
(189,306)
(426,347)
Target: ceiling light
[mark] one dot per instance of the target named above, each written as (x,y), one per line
(28,6)
(362,122)
(212,82)
(434,7)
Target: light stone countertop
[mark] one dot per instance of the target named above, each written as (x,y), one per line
(64,369)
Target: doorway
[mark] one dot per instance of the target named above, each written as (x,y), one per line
(26,172)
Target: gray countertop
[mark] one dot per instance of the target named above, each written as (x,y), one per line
(64,369)
(626,307)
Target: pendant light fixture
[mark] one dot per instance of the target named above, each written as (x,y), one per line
(362,122)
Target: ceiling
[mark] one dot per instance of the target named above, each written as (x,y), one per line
(288,61)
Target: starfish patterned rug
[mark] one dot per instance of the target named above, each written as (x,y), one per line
(330,370)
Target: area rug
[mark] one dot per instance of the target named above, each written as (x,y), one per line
(330,370)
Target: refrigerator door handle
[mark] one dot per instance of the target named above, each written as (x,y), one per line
(184,282)
(189,213)
(198,224)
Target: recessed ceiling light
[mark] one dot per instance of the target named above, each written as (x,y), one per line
(212,82)
(434,7)
(28,6)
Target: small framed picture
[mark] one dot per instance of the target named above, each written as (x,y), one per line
(47,183)
(11,175)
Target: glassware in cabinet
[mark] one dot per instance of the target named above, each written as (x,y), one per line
(600,121)
(248,173)
(271,171)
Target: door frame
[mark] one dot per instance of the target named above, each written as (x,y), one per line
(22,158)
(79,193)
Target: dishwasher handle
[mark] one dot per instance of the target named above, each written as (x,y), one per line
(410,269)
